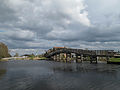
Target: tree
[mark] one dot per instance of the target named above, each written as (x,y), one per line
(4,51)
(16,55)
(32,56)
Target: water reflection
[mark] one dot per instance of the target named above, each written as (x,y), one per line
(3,69)
(100,68)
(2,72)
(47,75)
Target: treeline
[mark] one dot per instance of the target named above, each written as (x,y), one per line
(4,51)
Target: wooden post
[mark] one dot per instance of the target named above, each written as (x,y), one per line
(56,57)
(96,59)
(107,58)
(70,57)
(91,59)
(81,57)
(76,58)
(66,57)
(52,57)
(60,57)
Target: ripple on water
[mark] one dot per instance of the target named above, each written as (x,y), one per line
(45,75)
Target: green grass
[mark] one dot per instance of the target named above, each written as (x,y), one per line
(43,58)
(3,60)
(114,59)
(32,57)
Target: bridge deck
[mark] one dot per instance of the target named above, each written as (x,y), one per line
(80,54)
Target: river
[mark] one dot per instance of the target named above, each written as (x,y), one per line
(49,75)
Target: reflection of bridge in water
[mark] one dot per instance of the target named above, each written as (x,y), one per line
(64,54)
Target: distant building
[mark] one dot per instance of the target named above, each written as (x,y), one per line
(59,47)
(104,52)
(56,48)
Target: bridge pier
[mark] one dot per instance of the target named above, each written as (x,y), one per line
(63,57)
(71,58)
(93,59)
(66,57)
(55,57)
(60,57)
(79,58)
(82,57)
(52,58)
(76,58)
(107,58)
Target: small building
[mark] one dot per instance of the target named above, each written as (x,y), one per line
(57,48)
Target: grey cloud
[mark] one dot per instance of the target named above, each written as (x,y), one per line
(20,35)
(6,13)
(48,23)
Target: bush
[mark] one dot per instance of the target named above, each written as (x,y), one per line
(4,51)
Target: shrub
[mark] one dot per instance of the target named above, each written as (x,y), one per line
(4,51)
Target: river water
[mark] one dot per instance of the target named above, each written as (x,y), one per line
(49,75)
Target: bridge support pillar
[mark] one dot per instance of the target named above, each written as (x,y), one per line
(96,60)
(54,57)
(70,57)
(93,59)
(58,57)
(76,58)
(82,57)
(107,58)
(63,57)
(79,58)
(66,57)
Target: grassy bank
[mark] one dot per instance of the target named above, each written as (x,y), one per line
(43,58)
(3,60)
(38,58)
(28,58)
(114,61)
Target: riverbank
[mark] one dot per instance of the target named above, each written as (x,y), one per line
(114,61)
(3,60)
(37,58)
(23,58)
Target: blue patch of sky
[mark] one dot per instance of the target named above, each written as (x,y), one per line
(2,31)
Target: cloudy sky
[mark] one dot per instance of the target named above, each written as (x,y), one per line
(43,24)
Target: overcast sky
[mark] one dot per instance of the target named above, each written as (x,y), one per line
(43,24)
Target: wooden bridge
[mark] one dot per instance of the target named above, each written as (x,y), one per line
(64,54)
